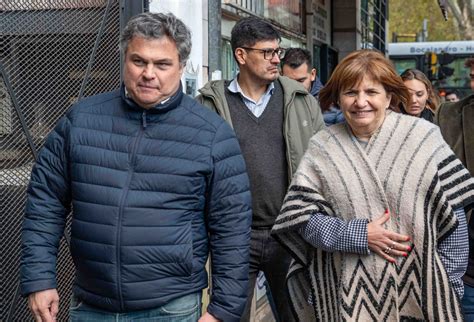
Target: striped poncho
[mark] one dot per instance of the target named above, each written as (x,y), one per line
(406,168)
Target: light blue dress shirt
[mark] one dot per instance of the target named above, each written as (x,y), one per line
(258,107)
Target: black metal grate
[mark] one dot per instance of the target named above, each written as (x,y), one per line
(51,53)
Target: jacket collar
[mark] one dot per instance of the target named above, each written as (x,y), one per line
(316,87)
(216,91)
(426,114)
(165,106)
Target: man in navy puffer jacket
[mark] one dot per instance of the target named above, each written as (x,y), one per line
(156,182)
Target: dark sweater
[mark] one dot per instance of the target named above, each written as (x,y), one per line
(264,150)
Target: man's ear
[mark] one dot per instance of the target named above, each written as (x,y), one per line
(240,55)
(313,74)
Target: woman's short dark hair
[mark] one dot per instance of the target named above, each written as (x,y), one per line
(352,70)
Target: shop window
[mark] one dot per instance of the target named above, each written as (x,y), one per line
(229,65)
(373,24)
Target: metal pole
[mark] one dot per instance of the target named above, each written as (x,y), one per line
(94,50)
(425,30)
(21,118)
(214,35)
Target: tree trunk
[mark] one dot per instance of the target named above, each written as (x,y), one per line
(462,12)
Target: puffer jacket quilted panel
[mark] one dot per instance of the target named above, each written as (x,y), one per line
(138,182)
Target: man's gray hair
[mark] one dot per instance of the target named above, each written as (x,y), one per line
(150,25)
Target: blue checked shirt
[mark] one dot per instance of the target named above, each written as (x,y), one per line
(336,235)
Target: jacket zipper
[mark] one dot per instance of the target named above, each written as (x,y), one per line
(121,207)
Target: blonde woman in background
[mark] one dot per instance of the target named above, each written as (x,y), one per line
(423,99)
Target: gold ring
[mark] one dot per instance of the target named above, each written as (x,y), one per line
(387,250)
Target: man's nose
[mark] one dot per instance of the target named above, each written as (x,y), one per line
(275,59)
(148,71)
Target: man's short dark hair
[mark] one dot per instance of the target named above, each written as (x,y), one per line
(295,57)
(152,25)
(248,31)
(469,63)
(451,91)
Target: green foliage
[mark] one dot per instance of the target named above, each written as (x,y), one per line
(406,17)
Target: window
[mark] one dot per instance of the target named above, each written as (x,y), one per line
(403,64)
(373,18)
(229,65)
(460,77)
(289,13)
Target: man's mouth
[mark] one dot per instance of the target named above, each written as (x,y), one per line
(147,87)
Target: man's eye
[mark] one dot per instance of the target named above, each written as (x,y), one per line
(138,62)
(162,65)
(269,52)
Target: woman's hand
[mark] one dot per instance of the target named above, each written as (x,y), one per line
(386,243)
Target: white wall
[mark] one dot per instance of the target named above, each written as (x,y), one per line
(194,14)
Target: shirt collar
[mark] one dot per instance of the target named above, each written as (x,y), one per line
(234,87)
(164,106)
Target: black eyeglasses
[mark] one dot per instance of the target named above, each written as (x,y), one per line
(269,53)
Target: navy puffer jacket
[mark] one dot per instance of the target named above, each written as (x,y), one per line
(146,188)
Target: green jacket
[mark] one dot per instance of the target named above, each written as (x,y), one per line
(302,115)
(456,122)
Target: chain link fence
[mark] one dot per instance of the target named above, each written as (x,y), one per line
(52,53)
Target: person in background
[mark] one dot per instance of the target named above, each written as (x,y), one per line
(424,100)
(456,122)
(297,65)
(274,117)
(155,181)
(452,96)
(375,214)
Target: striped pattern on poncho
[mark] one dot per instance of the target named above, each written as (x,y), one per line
(407,168)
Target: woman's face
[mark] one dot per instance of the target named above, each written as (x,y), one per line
(364,106)
(418,97)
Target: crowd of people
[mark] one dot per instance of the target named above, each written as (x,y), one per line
(352,198)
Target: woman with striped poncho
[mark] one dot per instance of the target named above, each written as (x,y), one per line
(375,214)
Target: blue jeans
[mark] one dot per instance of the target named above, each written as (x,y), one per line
(468,303)
(183,309)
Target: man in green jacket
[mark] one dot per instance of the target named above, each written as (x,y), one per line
(274,117)
(456,122)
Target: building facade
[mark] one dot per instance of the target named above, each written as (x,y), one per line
(330,29)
